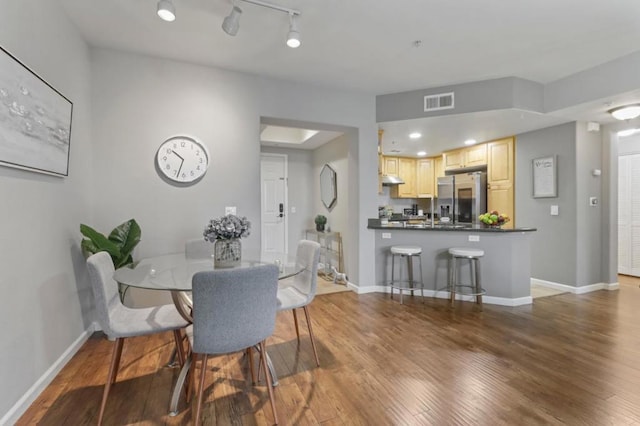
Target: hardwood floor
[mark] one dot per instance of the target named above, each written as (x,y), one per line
(568,359)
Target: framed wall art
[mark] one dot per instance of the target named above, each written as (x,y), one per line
(545,183)
(35,120)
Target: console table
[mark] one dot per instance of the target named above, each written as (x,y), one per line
(330,250)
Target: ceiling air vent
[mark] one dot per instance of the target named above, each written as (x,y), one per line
(438,102)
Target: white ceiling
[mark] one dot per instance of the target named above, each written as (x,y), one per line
(368,45)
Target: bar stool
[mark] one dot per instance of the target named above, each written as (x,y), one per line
(408,253)
(474,288)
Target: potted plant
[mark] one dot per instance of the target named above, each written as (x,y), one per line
(320,220)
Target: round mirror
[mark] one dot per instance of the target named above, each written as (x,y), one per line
(328,192)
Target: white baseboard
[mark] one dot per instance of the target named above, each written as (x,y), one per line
(21,406)
(442,294)
(576,290)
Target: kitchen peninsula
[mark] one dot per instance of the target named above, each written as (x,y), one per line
(505,268)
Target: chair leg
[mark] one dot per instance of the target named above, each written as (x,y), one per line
(263,357)
(203,372)
(177,336)
(253,371)
(313,341)
(113,369)
(295,320)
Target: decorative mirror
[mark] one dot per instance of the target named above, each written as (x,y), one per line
(328,192)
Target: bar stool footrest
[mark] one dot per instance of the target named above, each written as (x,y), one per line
(469,290)
(406,285)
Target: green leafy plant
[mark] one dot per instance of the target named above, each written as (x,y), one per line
(321,220)
(119,244)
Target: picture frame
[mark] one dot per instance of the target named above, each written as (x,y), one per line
(545,182)
(35,120)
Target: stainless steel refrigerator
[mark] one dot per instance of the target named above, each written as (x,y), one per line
(462,197)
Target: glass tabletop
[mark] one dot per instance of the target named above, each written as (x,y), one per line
(175,271)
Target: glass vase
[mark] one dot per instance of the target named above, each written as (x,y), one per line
(227,253)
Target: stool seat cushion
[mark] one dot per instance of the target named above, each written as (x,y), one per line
(406,250)
(466,252)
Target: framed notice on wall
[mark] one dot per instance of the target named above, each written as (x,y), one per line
(545,183)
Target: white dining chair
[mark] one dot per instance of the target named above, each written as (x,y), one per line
(119,322)
(298,291)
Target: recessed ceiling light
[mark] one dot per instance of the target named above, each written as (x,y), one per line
(470,142)
(422,153)
(628,132)
(415,135)
(626,112)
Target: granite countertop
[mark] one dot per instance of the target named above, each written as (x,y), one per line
(375,224)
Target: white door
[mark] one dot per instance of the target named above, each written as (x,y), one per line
(629,214)
(273,180)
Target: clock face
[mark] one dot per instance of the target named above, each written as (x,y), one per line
(182,159)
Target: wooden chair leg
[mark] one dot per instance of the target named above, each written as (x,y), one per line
(177,336)
(203,372)
(263,357)
(113,369)
(295,320)
(253,371)
(313,340)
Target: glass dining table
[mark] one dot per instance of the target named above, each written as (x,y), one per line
(174,273)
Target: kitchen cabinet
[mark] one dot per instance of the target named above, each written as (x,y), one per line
(390,166)
(425,178)
(466,157)
(500,178)
(406,172)
(438,171)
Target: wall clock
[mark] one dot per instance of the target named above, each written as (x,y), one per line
(182,159)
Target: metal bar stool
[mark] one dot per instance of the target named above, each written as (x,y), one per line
(473,288)
(407,252)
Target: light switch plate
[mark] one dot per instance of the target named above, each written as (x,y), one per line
(293,209)
(230,210)
(554,211)
(386,235)
(474,237)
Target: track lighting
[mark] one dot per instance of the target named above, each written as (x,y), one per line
(627,112)
(293,38)
(166,11)
(231,23)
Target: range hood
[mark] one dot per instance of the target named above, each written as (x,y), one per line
(391,180)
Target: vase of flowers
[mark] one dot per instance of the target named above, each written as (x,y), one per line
(225,234)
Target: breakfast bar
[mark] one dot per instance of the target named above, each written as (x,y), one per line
(506,264)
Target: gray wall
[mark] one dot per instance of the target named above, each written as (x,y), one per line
(300,192)
(47,301)
(335,154)
(629,144)
(553,249)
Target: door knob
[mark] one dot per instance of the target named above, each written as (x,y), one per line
(281,208)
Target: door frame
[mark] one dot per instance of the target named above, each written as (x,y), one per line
(285,157)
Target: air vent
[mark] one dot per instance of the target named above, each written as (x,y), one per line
(438,102)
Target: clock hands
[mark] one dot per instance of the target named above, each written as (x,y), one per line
(181,162)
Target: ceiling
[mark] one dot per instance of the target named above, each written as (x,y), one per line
(379,47)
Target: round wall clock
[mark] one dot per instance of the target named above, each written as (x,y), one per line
(182,159)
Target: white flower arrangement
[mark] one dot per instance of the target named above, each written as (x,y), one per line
(227,228)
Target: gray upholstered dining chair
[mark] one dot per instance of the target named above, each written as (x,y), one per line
(299,290)
(233,310)
(119,322)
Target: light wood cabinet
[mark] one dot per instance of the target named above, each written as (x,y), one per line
(500,178)
(425,178)
(390,166)
(406,172)
(466,157)
(438,171)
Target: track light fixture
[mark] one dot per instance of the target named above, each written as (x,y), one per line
(293,38)
(166,11)
(231,24)
(627,112)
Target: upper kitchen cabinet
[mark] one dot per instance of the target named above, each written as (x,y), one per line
(390,166)
(438,171)
(406,172)
(466,157)
(500,177)
(425,187)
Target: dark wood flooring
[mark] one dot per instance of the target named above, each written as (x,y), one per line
(566,359)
